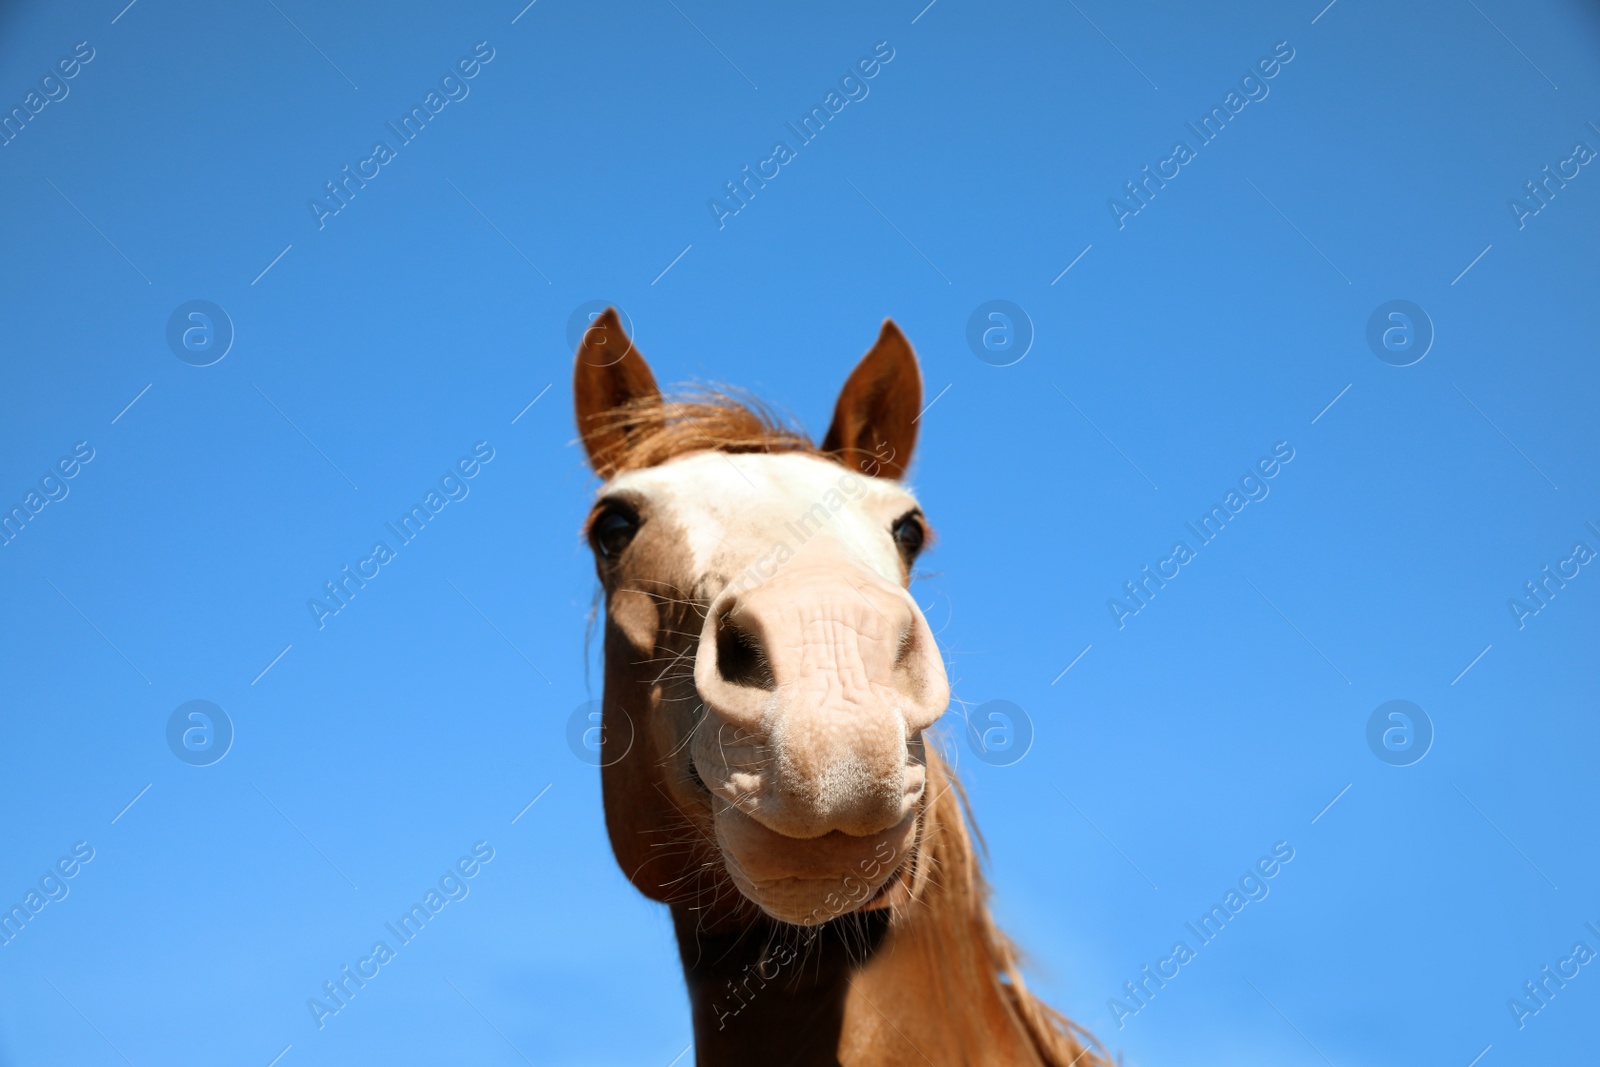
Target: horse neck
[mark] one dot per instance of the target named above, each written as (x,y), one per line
(928,981)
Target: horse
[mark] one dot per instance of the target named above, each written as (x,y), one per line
(768,685)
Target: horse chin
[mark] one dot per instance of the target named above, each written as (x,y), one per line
(809,881)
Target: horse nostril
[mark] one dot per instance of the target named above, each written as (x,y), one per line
(740,659)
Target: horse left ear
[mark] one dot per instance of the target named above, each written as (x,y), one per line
(614,392)
(875,421)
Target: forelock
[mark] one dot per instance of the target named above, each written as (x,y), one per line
(717,419)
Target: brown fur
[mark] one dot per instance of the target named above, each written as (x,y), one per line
(650,431)
(969,961)
(878,405)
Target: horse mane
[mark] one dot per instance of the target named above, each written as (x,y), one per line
(656,429)
(951,911)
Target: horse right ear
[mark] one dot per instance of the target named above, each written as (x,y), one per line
(614,392)
(875,421)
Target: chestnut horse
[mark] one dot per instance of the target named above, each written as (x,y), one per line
(768,681)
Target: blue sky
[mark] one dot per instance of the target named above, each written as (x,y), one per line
(1173,349)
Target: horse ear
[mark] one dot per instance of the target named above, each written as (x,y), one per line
(875,422)
(610,374)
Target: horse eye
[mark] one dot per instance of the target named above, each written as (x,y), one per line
(908,536)
(612,533)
